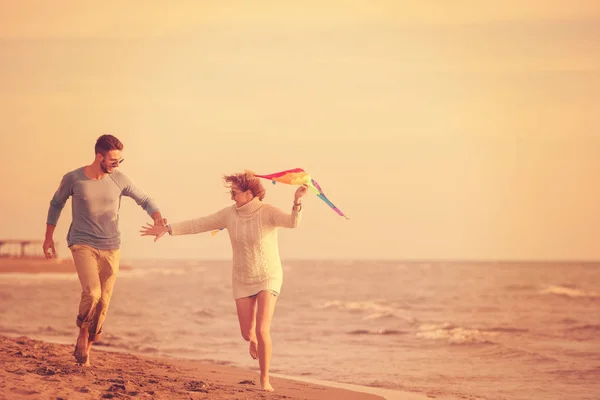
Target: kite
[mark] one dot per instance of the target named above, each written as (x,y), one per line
(298,176)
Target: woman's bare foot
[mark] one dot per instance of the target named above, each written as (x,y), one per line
(266,385)
(253,349)
(81,348)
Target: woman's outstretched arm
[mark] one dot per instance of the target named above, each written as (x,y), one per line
(211,222)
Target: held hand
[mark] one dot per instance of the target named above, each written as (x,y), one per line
(158,219)
(153,230)
(301,191)
(48,248)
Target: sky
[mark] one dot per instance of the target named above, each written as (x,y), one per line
(445,130)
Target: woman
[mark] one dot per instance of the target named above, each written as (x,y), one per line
(256,273)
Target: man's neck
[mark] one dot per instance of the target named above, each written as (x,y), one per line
(94,172)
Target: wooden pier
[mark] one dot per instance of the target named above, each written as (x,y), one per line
(26,249)
(27,256)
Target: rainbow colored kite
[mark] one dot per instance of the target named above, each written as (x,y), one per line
(299,177)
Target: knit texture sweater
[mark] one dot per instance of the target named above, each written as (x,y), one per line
(252,231)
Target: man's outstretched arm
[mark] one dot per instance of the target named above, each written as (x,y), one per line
(144,201)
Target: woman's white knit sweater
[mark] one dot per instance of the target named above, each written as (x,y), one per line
(253,234)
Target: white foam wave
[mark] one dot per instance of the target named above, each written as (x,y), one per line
(569,292)
(454,335)
(434,327)
(372,310)
(376,305)
(379,315)
(377,332)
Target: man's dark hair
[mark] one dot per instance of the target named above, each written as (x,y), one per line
(106,143)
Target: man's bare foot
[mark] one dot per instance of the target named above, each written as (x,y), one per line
(253,349)
(266,385)
(81,348)
(87,362)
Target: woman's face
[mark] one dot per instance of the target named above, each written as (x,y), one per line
(240,197)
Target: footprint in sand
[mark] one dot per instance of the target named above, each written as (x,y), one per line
(197,386)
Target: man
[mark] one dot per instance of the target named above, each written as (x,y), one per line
(94,237)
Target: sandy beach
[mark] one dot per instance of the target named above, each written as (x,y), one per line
(33,369)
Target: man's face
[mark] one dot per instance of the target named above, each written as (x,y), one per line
(110,161)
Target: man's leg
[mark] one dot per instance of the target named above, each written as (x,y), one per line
(85,259)
(108,265)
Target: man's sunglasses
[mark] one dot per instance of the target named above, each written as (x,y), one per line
(116,162)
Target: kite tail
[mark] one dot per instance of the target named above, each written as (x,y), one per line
(330,204)
(216,231)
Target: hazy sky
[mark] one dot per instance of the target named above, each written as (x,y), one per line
(444,129)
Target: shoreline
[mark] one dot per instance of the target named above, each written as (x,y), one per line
(42,266)
(41,369)
(387,394)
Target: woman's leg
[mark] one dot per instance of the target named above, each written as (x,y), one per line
(246,311)
(265,308)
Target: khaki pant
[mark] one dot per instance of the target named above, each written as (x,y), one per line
(97,270)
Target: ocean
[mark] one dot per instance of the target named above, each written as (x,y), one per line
(449,330)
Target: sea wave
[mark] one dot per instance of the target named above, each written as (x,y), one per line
(506,330)
(13,330)
(587,327)
(49,330)
(377,305)
(131,345)
(377,332)
(503,352)
(455,335)
(569,292)
(515,287)
(370,309)
(568,321)
(40,330)
(583,332)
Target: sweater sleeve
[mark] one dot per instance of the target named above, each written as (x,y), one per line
(142,199)
(282,219)
(64,191)
(211,222)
